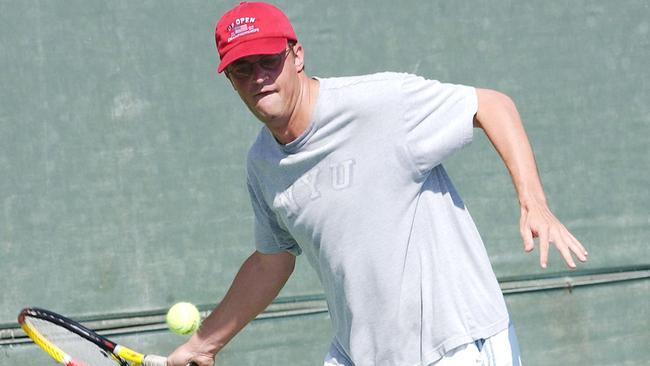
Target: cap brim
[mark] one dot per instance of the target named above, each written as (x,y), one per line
(260,46)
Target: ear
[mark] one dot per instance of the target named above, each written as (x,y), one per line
(298,57)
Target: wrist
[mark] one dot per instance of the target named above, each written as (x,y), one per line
(526,200)
(204,345)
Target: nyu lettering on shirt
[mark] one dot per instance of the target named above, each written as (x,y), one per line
(363,194)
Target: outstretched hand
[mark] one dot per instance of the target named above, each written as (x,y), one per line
(537,221)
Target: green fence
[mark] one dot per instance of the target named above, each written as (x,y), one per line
(122,185)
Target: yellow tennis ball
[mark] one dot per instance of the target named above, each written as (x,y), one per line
(183,318)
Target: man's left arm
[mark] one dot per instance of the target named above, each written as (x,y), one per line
(499,119)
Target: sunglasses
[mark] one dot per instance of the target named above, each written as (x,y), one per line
(242,69)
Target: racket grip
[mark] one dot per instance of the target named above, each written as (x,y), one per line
(153,360)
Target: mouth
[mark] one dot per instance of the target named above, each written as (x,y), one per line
(262,94)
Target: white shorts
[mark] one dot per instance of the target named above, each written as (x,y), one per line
(501,349)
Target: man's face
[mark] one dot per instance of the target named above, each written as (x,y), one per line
(268,84)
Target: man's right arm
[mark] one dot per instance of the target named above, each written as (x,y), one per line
(257,283)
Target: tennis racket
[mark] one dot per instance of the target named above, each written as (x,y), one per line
(72,344)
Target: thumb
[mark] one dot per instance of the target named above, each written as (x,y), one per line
(525,231)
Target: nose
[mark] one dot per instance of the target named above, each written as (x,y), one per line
(259,73)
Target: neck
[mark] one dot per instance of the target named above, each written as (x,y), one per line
(300,117)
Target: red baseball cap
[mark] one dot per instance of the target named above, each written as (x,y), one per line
(251,28)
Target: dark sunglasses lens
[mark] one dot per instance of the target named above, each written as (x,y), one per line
(244,70)
(241,70)
(270,62)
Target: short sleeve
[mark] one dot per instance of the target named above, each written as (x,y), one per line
(438,118)
(270,236)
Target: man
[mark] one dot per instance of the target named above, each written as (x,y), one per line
(348,171)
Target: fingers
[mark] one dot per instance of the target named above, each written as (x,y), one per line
(543,247)
(544,225)
(563,247)
(573,247)
(526,233)
(189,360)
(577,247)
(191,363)
(528,230)
(568,246)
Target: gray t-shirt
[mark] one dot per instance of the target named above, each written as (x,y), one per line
(363,194)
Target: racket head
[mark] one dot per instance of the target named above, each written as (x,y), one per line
(67,341)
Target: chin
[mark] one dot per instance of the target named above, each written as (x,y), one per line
(268,108)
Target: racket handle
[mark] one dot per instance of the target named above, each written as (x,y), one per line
(153,360)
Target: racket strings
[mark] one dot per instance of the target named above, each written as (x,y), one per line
(79,348)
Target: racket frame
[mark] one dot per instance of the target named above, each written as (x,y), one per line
(119,352)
